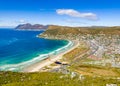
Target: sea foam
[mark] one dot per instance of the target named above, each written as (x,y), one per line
(22,65)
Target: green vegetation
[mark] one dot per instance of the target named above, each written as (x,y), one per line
(95,70)
(117,55)
(85,67)
(52,79)
(36,79)
(74,31)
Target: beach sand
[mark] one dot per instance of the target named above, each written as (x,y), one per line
(48,61)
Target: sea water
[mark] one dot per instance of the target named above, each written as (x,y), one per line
(19,49)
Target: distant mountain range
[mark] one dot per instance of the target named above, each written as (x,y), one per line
(29,26)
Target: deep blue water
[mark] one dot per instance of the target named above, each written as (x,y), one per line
(17,47)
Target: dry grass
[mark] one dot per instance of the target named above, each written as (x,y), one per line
(97,71)
(70,56)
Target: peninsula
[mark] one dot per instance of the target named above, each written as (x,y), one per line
(29,26)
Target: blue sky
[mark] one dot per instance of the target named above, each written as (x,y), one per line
(60,12)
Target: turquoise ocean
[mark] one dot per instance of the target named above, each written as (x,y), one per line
(19,49)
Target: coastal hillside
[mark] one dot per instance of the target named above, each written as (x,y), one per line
(103,48)
(29,26)
(74,31)
(49,79)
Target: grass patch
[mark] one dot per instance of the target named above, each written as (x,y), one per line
(70,56)
(93,70)
(51,79)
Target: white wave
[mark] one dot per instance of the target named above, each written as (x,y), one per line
(20,66)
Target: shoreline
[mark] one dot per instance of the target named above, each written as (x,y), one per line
(23,65)
(48,61)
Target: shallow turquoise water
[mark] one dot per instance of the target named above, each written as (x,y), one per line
(20,48)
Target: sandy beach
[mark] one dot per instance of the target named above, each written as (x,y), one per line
(48,61)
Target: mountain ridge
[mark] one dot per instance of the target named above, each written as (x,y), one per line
(29,26)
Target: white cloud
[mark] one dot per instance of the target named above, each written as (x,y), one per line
(74,13)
